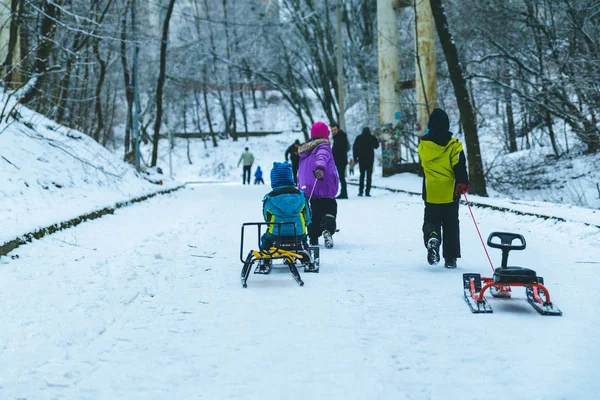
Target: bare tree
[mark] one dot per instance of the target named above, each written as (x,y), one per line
(467,116)
(160,83)
(40,66)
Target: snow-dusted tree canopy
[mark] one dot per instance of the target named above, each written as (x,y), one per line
(532,64)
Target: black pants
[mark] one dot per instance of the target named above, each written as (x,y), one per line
(324,213)
(442,220)
(365,168)
(246,177)
(341,169)
(295,172)
(259,180)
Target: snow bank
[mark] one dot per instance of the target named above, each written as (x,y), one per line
(50,174)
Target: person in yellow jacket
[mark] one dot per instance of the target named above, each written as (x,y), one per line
(443,161)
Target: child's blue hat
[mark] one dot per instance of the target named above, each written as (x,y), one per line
(282,175)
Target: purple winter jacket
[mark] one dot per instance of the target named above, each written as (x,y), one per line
(317,154)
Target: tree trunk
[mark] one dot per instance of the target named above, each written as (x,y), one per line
(23,40)
(47,30)
(206,109)
(467,114)
(129,92)
(244,112)
(551,133)
(510,118)
(196,119)
(110,105)
(187,139)
(98,93)
(231,122)
(161,82)
(11,53)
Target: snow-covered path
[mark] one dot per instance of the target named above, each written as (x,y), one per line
(147,304)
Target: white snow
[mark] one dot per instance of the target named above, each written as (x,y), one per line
(50,174)
(147,304)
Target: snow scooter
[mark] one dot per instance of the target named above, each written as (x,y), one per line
(506,277)
(288,248)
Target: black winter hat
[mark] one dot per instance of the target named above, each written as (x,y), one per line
(438,121)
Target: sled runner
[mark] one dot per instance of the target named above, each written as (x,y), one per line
(290,249)
(506,277)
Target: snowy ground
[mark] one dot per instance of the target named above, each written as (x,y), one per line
(147,304)
(50,174)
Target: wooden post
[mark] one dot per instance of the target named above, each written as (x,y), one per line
(425,63)
(340,67)
(389,99)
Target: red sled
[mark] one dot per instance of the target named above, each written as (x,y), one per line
(506,277)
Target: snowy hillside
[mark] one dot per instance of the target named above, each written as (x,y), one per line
(49,174)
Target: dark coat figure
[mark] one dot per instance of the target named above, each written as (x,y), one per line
(294,158)
(364,153)
(445,179)
(340,156)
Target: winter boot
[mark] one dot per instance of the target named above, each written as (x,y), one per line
(433,250)
(264,266)
(314,241)
(450,262)
(311,267)
(328,239)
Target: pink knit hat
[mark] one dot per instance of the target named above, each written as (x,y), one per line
(319,130)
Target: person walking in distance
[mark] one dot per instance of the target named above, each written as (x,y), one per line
(247,158)
(294,158)
(340,156)
(318,177)
(445,180)
(351,165)
(364,153)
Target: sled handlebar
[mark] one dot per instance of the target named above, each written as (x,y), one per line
(506,240)
(277,243)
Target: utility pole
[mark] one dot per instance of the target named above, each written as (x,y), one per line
(425,81)
(340,68)
(136,94)
(388,43)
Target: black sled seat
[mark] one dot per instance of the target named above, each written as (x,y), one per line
(506,274)
(290,249)
(515,275)
(505,277)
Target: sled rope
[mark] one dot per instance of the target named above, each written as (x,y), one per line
(479,233)
(313,190)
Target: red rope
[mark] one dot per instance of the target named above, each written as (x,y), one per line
(479,233)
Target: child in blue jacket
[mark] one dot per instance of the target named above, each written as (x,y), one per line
(258,176)
(285,203)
